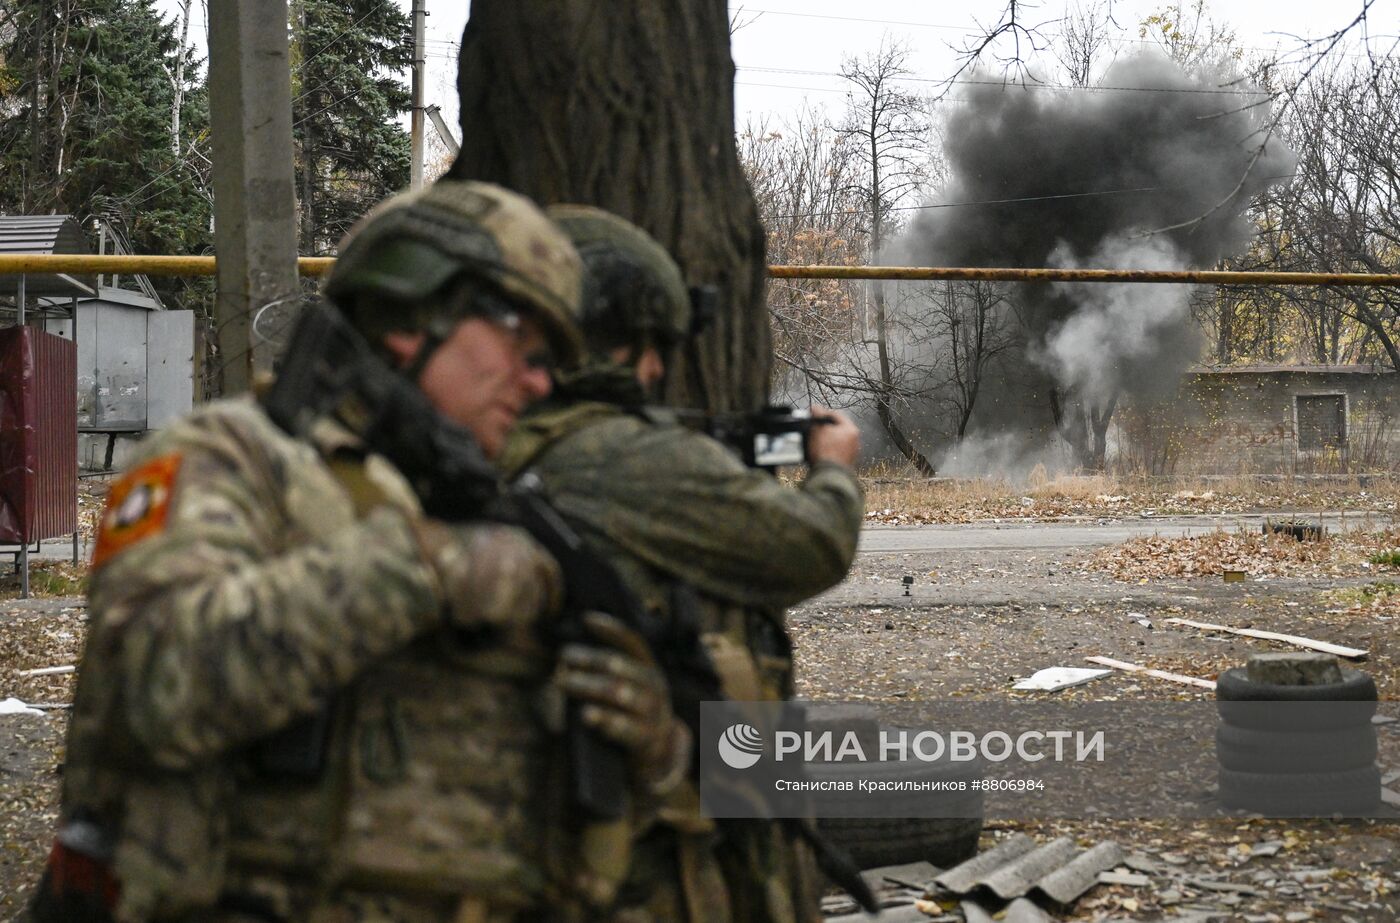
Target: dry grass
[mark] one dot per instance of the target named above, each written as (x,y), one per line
(894,497)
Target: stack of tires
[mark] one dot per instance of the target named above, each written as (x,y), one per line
(1297,751)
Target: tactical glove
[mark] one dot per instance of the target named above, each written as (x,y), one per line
(493,576)
(626,698)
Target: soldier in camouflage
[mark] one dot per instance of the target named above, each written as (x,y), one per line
(304,700)
(690,525)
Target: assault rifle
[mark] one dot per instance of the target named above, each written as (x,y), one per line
(330,371)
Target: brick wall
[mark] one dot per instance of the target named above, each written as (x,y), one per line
(1247,421)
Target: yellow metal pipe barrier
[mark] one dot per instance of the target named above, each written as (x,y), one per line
(14,264)
(112,265)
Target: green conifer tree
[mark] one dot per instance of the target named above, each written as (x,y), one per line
(348,62)
(86,91)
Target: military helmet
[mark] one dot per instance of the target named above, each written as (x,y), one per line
(632,287)
(412,245)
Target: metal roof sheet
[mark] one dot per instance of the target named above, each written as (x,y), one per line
(44,234)
(1017,867)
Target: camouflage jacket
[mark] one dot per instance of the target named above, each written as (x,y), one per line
(684,506)
(667,506)
(238,589)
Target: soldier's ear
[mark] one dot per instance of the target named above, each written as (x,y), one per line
(403,345)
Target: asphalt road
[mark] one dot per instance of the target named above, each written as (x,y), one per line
(1013,536)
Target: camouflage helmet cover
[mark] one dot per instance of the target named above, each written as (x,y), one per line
(410,246)
(632,285)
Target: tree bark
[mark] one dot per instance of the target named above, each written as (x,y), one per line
(629,105)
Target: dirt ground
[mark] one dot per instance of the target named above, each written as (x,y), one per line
(975,620)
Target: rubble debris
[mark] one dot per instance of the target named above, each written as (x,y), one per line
(1326,647)
(1155,674)
(1140,863)
(1265,849)
(1223,887)
(1126,879)
(916,875)
(1052,679)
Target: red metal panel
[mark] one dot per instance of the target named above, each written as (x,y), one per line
(38,435)
(17,460)
(55,510)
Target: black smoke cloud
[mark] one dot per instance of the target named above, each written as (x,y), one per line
(1098,172)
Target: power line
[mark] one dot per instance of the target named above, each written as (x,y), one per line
(788,86)
(1029,86)
(301,66)
(975,29)
(1013,201)
(884,22)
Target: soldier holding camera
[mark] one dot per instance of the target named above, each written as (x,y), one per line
(700,537)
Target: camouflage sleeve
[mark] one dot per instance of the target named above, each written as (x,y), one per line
(684,504)
(224,627)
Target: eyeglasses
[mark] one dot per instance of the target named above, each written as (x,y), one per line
(533,348)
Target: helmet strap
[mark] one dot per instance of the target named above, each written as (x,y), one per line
(433,338)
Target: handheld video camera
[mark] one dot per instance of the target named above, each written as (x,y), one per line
(769,438)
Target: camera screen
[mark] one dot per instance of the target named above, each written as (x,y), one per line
(772,450)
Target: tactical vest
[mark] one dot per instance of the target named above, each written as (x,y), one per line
(429,776)
(431,780)
(690,867)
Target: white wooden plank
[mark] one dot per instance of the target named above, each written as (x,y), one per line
(1155,674)
(1326,647)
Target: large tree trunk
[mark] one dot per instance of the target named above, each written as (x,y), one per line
(629,105)
(1084,426)
(883,409)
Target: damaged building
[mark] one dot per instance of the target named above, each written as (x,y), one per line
(1268,419)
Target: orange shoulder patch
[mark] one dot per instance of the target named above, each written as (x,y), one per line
(137,506)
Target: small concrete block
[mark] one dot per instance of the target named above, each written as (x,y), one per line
(1294,669)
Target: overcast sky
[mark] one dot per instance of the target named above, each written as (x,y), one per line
(788,51)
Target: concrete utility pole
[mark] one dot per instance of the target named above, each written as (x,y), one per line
(420,13)
(250,103)
(445,133)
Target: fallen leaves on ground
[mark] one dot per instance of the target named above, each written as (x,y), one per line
(917,501)
(1253,553)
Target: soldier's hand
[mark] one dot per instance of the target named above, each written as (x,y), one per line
(625,697)
(838,441)
(492,575)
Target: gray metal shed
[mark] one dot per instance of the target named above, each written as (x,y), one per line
(43,234)
(135,358)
